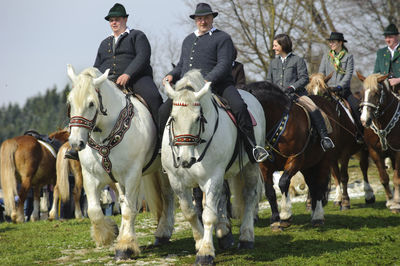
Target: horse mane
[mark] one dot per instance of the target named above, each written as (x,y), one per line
(317,80)
(84,87)
(267,91)
(61,134)
(192,81)
(371,82)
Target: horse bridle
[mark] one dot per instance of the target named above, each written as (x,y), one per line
(80,121)
(190,139)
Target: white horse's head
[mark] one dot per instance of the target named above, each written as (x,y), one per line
(373,92)
(186,119)
(317,84)
(84,103)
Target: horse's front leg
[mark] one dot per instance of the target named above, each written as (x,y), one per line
(286,204)
(395,208)
(127,245)
(104,230)
(336,177)
(267,173)
(364,164)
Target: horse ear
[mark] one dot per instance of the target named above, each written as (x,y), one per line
(327,78)
(171,93)
(203,91)
(71,73)
(360,76)
(382,78)
(101,79)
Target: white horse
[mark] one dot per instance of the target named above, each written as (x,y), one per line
(122,138)
(197,146)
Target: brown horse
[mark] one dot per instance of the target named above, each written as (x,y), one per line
(294,146)
(65,167)
(381,113)
(346,145)
(27,161)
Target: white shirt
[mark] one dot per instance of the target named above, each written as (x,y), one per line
(127,30)
(392,51)
(284,58)
(196,32)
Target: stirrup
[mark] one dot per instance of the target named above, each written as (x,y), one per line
(329,142)
(260,154)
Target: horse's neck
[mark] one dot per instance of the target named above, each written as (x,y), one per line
(390,103)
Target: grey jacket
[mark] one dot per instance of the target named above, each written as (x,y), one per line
(343,80)
(292,73)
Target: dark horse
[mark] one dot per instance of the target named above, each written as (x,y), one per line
(28,161)
(381,112)
(294,146)
(346,145)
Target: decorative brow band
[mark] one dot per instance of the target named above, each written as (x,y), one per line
(185,104)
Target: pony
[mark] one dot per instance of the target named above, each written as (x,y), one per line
(31,163)
(346,144)
(294,147)
(197,147)
(121,138)
(380,112)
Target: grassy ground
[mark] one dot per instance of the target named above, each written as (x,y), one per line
(364,235)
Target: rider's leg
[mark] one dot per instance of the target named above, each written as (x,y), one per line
(239,109)
(318,120)
(163,115)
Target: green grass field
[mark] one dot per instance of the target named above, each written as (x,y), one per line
(364,235)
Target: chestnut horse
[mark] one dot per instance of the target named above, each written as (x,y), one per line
(295,146)
(32,163)
(381,113)
(346,145)
(61,190)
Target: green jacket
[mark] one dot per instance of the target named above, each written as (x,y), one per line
(382,62)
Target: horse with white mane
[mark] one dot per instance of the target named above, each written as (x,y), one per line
(197,146)
(121,136)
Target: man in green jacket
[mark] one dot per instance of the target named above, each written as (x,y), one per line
(388,58)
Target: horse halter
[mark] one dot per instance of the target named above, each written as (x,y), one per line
(188,139)
(80,121)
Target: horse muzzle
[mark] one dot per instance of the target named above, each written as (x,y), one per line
(78,146)
(187,164)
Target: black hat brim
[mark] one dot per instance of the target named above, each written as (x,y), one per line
(343,40)
(204,14)
(114,16)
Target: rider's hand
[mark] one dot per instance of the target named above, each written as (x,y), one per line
(168,79)
(289,90)
(394,81)
(123,79)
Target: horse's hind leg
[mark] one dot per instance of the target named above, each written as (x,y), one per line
(384,177)
(36,204)
(395,208)
(364,164)
(223,227)
(344,178)
(336,177)
(19,216)
(54,206)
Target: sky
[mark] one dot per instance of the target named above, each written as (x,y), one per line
(39,38)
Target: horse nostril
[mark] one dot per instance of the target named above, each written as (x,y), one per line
(81,144)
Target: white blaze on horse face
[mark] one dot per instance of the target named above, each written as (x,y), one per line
(365,114)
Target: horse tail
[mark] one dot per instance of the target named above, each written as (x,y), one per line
(62,173)
(152,194)
(8,172)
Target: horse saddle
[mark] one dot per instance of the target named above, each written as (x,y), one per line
(223,103)
(324,115)
(55,144)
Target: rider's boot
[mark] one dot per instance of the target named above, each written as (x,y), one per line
(318,121)
(354,103)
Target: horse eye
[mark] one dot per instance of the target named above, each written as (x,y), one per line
(91,104)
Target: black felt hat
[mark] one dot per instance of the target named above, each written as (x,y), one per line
(203,9)
(336,36)
(117,10)
(391,30)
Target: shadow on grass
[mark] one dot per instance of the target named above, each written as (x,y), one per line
(6,226)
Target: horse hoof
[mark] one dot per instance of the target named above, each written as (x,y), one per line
(161,241)
(345,207)
(317,223)
(370,201)
(204,260)
(276,228)
(337,203)
(226,242)
(286,223)
(123,254)
(246,245)
(395,210)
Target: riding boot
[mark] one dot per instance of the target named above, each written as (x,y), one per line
(71,154)
(256,153)
(354,103)
(318,121)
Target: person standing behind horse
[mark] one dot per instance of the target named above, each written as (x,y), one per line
(388,58)
(289,72)
(127,54)
(211,50)
(341,63)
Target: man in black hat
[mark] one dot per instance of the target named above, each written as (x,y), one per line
(127,54)
(211,50)
(388,58)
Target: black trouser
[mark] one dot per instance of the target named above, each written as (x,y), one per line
(354,106)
